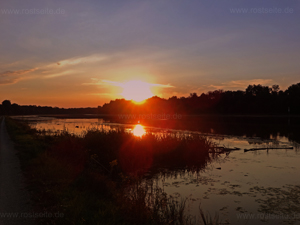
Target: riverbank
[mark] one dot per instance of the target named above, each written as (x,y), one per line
(15,205)
(86,180)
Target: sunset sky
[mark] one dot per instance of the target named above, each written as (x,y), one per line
(83,53)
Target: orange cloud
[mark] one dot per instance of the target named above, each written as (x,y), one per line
(80,60)
(245,83)
(11,77)
(241,84)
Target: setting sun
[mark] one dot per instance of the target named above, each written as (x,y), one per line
(136,90)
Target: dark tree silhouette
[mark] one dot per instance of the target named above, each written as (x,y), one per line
(6,107)
(6,103)
(256,99)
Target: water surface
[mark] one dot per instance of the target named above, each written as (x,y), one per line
(254,187)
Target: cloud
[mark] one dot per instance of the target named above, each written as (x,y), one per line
(80,60)
(64,67)
(100,94)
(245,83)
(11,77)
(53,75)
(52,70)
(96,81)
(241,84)
(216,87)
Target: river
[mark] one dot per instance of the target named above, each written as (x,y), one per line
(240,187)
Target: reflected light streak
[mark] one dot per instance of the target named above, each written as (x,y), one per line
(138,130)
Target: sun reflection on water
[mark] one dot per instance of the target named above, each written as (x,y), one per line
(138,130)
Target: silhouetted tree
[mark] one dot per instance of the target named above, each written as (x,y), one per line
(256,99)
(6,103)
(6,107)
(293,98)
(275,88)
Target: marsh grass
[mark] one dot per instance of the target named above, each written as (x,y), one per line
(207,219)
(96,178)
(136,155)
(144,201)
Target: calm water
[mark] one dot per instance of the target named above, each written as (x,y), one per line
(254,187)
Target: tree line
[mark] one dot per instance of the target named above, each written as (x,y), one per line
(8,108)
(256,99)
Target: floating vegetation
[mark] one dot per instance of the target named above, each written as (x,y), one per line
(283,201)
(280,203)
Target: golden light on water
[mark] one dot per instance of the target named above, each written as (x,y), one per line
(138,130)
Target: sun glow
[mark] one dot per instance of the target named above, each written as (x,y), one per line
(138,130)
(137,91)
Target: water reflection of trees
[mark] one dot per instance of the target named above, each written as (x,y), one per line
(263,127)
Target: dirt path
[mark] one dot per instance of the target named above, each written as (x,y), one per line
(14,199)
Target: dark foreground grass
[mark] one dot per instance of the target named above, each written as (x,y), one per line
(95,179)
